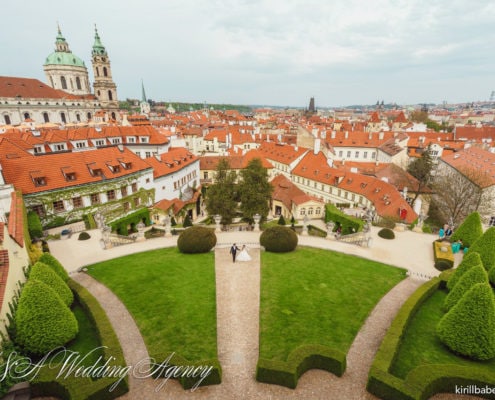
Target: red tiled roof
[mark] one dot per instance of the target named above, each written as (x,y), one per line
(282,153)
(474,158)
(16,218)
(287,193)
(172,161)
(28,88)
(22,171)
(4,273)
(236,161)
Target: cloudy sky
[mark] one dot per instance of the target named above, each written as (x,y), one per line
(272,52)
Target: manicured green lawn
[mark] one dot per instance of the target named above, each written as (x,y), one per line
(421,345)
(313,296)
(171,297)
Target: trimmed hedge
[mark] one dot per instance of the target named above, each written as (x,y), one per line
(349,224)
(470,260)
(469,327)
(476,274)
(79,388)
(196,239)
(380,382)
(279,239)
(52,262)
(302,359)
(484,246)
(386,233)
(34,225)
(281,220)
(42,321)
(84,236)
(213,378)
(43,273)
(469,231)
(443,260)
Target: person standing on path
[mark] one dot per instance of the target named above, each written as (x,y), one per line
(233,251)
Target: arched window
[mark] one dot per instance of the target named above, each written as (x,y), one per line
(110,97)
(99,93)
(310,211)
(7,119)
(113,115)
(26,115)
(89,116)
(303,211)
(78,83)
(62,117)
(45,117)
(105,72)
(97,72)
(63,82)
(78,117)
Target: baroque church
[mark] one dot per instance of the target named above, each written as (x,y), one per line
(66,97)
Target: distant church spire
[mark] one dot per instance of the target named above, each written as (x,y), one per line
(143,93)
(61,44)
(98,48)
(144,105)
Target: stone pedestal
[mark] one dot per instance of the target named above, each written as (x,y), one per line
(330,234)
(217,218)
(168,227)
(257,219)
(140,235)
(305,226)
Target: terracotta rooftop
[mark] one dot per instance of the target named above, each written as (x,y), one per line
(287,192)
(16,218)
(474,158)
(172,161)
(280,152)
(35,174)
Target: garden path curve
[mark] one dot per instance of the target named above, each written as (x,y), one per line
(238,290)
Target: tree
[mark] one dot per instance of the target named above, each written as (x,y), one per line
(469,231)
(254,190)
(281,220)
(221,196)
(421,168)
(469,261)
(460,192)
(475,275)
(187,222)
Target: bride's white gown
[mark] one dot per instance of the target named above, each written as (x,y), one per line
(243,256)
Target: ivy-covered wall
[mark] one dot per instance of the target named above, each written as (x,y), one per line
(112,210)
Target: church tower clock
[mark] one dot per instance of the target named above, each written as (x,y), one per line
(104,87)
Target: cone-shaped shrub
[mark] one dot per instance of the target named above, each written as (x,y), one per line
(491,276)
(52,262)
(469,231)
(281,220)
(470,260)
(279,239)
(43,273)
(469,327)
(485,246)
(475,275)
(43,322)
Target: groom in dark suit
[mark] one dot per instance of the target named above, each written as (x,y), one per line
(233,251)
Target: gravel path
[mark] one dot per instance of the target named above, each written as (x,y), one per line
(238,292)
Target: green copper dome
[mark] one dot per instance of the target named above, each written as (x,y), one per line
(62,58)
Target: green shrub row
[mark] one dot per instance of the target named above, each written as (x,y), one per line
(89,221)
(48,276)
(48,259)
(484,246)
(121,225)
(302,359)
(381,382)
(214,377)
(469,261)
(476,274)
(349,224)
(443,260)
(72,388)
(425,380)
(34,225)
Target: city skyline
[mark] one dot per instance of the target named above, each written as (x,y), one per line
(277,53)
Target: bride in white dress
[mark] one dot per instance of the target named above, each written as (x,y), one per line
(243,255)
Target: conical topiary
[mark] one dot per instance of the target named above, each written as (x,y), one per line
(470,260)
(43,322)
(52,262)
(469,327)
(281,220)
(469,231)
(47,275)
(475,275)
(485,246)
(491,276)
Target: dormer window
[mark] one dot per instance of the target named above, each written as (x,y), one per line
(115,168)
(116,140)
(39,178)
(95,170)
(100,142)
(144,139)
(131,139)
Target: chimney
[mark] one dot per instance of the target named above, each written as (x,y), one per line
(370,135)
(120,147)
(330,162)
(384,179)
(346,135)
(380,135)
(296,148)
(316,148)
(268,138)
(354,170)
(333,134)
